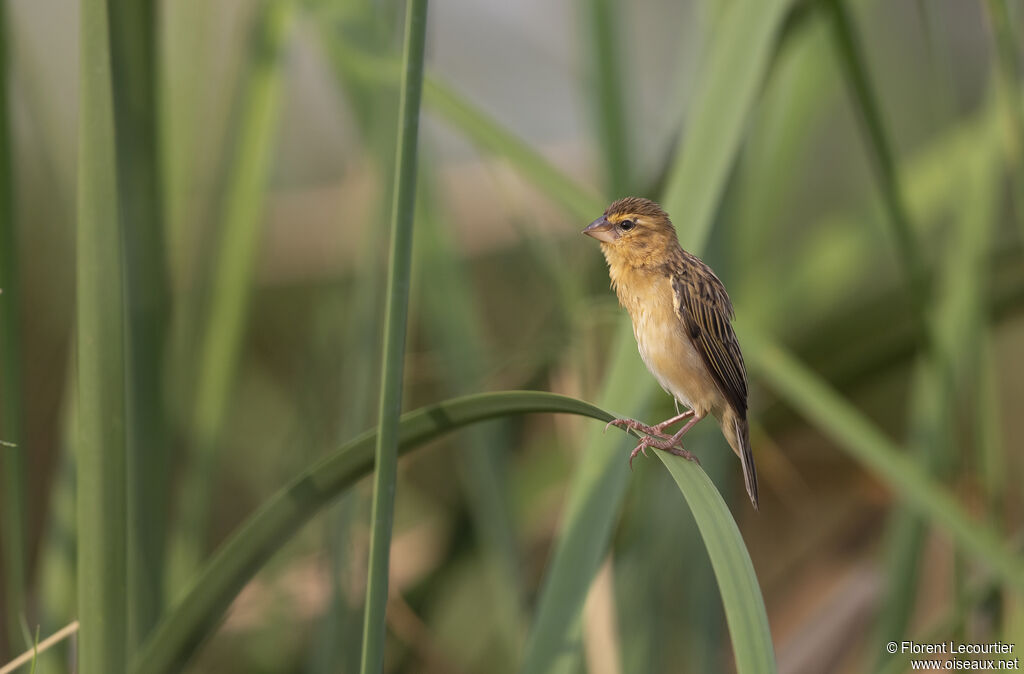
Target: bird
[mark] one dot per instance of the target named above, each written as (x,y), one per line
(681,316)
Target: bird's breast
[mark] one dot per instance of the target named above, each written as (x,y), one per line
(666,350)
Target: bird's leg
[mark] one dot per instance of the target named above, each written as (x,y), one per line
(669,443)
(657,429)
(655,436)
(671,422)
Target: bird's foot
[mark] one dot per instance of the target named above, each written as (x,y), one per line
(655,436)
(666,445)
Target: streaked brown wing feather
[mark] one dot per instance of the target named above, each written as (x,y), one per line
(704,307)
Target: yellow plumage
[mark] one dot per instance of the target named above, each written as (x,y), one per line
(681,320)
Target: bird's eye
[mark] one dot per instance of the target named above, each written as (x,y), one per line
(627,225)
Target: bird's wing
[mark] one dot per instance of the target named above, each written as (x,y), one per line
(703,306)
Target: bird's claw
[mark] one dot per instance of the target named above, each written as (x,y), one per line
(614,422)
(639,449)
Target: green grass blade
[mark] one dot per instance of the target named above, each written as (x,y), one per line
(654,536)
(133,46)
(12,442)
(731,82)
(395,325)
(865,443)
(737,582)
(851,57)
(102,520)
(737,65)
(281,516)
(227,307)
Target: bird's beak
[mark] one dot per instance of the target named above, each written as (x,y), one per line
(601,229)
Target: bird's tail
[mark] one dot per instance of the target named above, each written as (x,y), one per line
(737,432)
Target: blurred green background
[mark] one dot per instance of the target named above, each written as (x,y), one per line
(860,192)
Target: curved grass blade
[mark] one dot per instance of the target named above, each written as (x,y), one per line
(733,78)
(395,324)
(102,519)
(280,517)
(737,582)
(242,555)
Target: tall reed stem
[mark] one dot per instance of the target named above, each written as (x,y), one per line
(392,365)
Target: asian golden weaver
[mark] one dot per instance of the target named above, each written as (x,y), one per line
(681,319)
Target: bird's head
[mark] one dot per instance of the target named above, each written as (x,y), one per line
(634,231)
